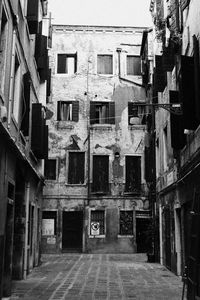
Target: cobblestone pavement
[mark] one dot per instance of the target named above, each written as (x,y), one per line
(98,276)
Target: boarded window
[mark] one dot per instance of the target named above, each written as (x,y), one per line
(50,169)
(133,65)
(97,218)
(102,112)
(68,111)
(49,222)
(104,64)
(133,174)
(126,222)
(67,63)
(100,173)
(76,167)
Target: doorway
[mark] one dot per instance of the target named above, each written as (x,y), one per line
(72,231)
(143,235)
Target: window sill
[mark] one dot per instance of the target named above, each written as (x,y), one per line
(75,184)
(135,126)
(125,236)
(101,236)
(108,127)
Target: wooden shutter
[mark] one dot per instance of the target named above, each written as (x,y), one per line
(112,112)
(26,105)
(48,84)
(133,174)
(100,173)
(168,58)
(159,75)
(176,123)
(196,76)
(92,112)
(32,15)
(76,168)
(61,63)
(75,111)
(187,88)
(45,142)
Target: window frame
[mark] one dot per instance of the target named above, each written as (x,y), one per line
(16,88)
(56,168)
(74,114)
(133,213)
(67,168)
(67,55)
(139,67)
(55,222)
(90,221)
(112,64)
(125,175)
(106,192)
(4,33)
(110,113)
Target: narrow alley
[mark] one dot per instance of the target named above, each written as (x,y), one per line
(98,276)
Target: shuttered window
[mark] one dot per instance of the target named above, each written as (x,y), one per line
(133,65)
(76,169)
(102,112)
(126,222)
(133,174)
(160,76)
(187,88)
(104,64)
(67,63)
(97,216)
(100,173)
(50,169)
(176,124)
(68,111)
(33,15)
(26,105)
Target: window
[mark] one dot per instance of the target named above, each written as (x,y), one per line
(133,174)
(165,148)
(49,222)
(67,64)
(133,65)
(76,168)
(135,113)
(16,89)
(3,44)
(100,173)
(97,222)
(50,169)
(102,112)
(68,111)
(126,222)
(104,64)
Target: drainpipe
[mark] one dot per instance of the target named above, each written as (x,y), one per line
(26,228)
(161,234)
(88,131)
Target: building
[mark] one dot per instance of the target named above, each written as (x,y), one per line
(23,135)
(176,82)
(96,198)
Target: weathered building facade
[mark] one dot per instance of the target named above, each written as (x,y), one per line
(176,83)
(23,136)
(96,198)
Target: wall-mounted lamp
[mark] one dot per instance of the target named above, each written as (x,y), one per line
(117,155)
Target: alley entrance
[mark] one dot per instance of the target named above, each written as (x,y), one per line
(72,231)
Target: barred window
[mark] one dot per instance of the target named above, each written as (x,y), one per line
(126,222)
(97,216)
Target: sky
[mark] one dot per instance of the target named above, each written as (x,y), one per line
(101,12)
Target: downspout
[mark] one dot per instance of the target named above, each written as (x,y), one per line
(26,228)
(161,234)
(88,132)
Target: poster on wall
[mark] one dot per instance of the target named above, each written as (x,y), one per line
(95,228)
(48,227)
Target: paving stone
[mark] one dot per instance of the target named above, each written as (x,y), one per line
(98,277)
